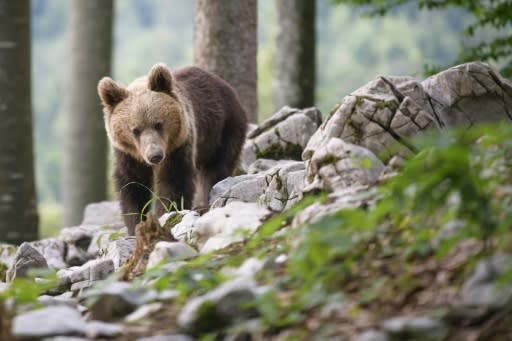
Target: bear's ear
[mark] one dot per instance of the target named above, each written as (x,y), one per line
(160,79)
(111,93)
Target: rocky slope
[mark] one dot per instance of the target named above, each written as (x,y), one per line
(350,229)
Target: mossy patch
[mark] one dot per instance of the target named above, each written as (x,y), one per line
(280,151)
(173,221)
(328,160)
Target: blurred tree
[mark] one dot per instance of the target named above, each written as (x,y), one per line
(18,213)
(85,143)
(293,81)
(225,43)
(487,14)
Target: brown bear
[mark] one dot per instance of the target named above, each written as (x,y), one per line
(183,130)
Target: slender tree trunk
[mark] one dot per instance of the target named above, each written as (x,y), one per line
(85,148)
(293,80)
(18,206)
(225,43)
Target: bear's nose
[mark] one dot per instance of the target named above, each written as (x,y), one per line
(156,158)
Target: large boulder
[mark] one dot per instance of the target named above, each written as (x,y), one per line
(382,115)
(282,136)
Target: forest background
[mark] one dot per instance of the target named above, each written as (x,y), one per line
(351,51)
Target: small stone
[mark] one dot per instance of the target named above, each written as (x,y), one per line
(116,300)
(371,335)
(174,251)
(421,328)
(78,239)
(173,337)
(57,320)
(106,214)
(120,251)
(218,307)
(100,329)
(26,258)
(94,270)
(143,311)
(229,223)
(53,250)
(482,288)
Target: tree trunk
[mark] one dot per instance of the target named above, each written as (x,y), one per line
(85,147)
(18,207)
(293,80)
(225,43)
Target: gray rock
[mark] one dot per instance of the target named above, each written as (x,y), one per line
(222,226)
(266,165)
(172,337)
(115,300)
(7,253)
(58,320)
(93,270)
(248,268)
(100,329)
(106,214)
(61,300)
(371,335)
(468,94)
(283,189)
(389,110)
(143,312)
(415,328)
(181,224)
(338,165)
(482,288)
(26,258)
(120,250)
(348,198)
(282,136)
(101,239)
(53,250)
(219,307)
(78,239)
(245,188)
(278,187)
(174,251)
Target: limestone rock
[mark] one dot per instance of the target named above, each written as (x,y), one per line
(102,238)
(93,270)
(227,224)
(219,307)
(100,329)
(181,224)
(53,250)
(174,251)
(115,300)
(58,320)
(483,289)
(468,94)
(106,214)
(338,165)
(415,328)
(282,136)
(78,239)
(120,250)
(382,115)
(26,258)
(371,335)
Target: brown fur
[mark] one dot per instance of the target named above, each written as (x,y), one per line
(185,130)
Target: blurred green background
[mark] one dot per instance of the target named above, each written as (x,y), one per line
(350,52)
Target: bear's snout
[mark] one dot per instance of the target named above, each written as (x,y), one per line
(156,158)
(151,147)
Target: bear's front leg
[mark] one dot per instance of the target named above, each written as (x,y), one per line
(176,181)
(134,182)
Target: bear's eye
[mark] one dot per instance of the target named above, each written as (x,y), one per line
(136,132)
(158,126)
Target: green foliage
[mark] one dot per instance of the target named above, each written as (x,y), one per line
(496,15)
(27,290)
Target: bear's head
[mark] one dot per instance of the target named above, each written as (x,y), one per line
(146,119)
